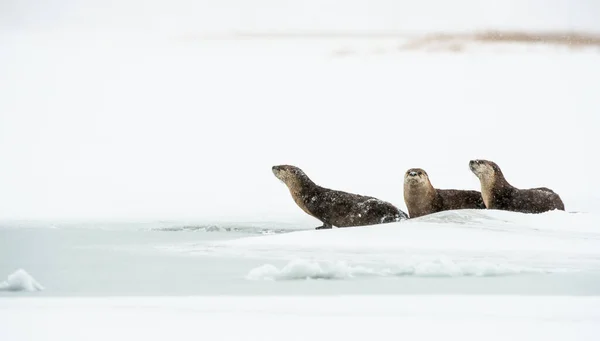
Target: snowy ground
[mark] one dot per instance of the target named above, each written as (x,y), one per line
(303,318)
(454,275)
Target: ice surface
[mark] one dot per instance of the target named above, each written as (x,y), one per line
(226,227)
(136,262)
(20,280)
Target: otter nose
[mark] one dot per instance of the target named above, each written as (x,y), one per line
(412,173)
(472,162)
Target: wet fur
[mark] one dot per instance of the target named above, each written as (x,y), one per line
(332,207)
(422,198)
(500,195)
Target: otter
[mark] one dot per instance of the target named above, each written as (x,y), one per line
(422,198)
(332,207)
(498,194)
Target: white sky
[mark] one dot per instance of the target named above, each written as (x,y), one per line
(195,15)
(115,128)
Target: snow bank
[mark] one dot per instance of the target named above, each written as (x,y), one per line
(440,267)
(451,243)
(466,230)
(302,269)
(20,280)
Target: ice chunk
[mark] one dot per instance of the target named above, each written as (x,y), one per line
(20,280)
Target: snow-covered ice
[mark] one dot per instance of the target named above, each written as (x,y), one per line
(466,251)
(450,243)
(20,280)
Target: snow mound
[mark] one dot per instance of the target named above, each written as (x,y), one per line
(300,269)
(549,242)
(462,230)
(439,267)
(20,280)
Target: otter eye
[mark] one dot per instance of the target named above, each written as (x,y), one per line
(420,173)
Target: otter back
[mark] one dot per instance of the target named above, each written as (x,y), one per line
(533,200)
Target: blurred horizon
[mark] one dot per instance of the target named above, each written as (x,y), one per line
(227,16)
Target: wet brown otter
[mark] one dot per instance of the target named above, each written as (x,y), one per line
(498,194)
(422,198)
(335,208)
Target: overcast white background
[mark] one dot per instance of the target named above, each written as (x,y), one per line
(294,14)
(99,124)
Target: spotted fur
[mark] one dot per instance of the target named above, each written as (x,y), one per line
(332,207)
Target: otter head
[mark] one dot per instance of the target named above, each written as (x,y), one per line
(415,177)
(418,192)
(490,176)
(485,170)
(290,175)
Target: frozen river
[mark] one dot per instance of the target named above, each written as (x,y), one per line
(451,253)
